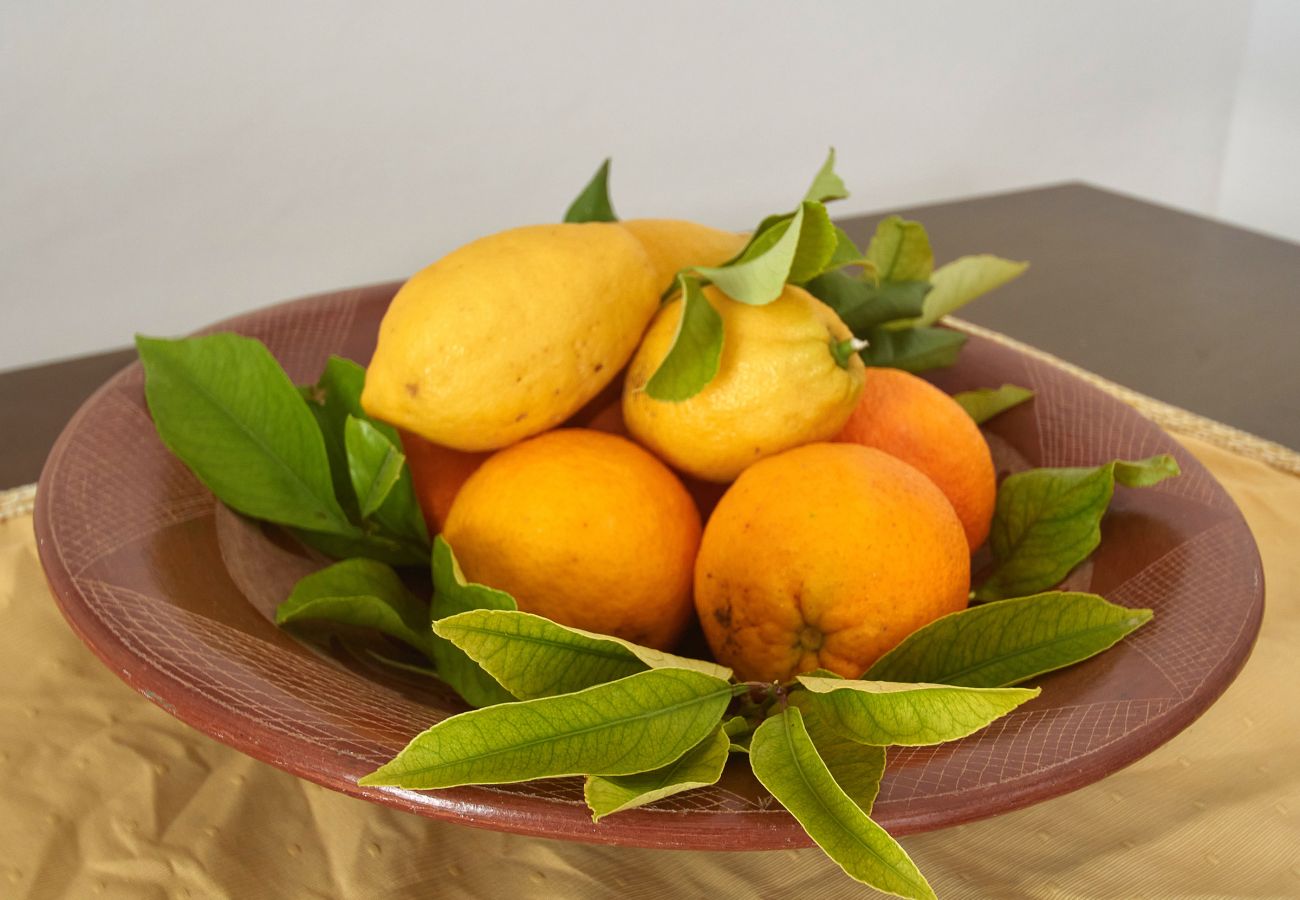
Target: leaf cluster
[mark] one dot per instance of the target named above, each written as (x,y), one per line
(890,296)
(308,458)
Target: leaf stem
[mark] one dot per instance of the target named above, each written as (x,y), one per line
(843,351)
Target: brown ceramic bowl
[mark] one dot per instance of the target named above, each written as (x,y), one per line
(175,595)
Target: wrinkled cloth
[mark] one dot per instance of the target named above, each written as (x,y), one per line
(103,794)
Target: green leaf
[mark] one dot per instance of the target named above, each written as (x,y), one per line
(360,592)
(985,403)
(593,204)
(787,764)
(962,280)
(1146,472)
(382,483)
(826,185)
(374,464)
(696,351)
(452,594)
(862,305)
(1001,644)
(535,657)
(846,253)
(857,768)
(224,406)
(760,275)
(900,250)
(738,732)
(914,349)
(331,412)
(700,766)
(635,724)
(1047,521)
(376,546)
(817,240)
(882,713)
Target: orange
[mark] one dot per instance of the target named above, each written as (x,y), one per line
(826,556)
(584,528)
(437,473)
(910,418)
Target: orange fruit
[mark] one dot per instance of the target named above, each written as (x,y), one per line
(437,473)
(911,419)
(826,556)
(584,528)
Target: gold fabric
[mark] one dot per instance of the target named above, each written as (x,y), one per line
(102,794)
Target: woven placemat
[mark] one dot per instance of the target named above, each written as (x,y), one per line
(1166,415)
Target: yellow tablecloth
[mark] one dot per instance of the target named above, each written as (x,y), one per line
(103,794)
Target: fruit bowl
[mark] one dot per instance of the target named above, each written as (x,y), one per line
(176,595)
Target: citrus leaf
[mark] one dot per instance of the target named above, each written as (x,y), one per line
(759,277)
(882,713)
(452,594)
(696,351)
(593,204)
(360,592)
(329,402)
(983,404)
(818,240)
(826,185)
(962,280)
(371,546)
(338,394)
(913,349)
(1146,472)
(381,481)
(1047,521)
(857,768)
(224,406)
(846,253)
(862,304)
(738,732)
(535,657)
(635,724)
(1005,643)
(699,766)
(900,250)
(373,463)
(787,764)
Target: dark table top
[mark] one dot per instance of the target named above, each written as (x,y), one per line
(1187,310)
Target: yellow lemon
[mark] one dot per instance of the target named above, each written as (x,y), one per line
(508,336)
(779,385)
(674,244)
(585,528)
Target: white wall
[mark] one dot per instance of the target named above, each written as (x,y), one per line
(1261,171)
(163,165)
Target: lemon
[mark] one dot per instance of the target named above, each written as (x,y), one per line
(779,385)
(674,244)
(508,336)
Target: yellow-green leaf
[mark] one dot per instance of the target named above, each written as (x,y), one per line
(635,724)
(700,766)
(786,762)
(883,713)
(535,657)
